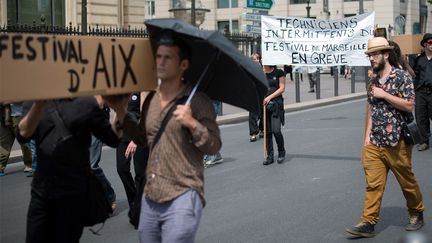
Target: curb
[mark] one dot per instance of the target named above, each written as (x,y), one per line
(16,155)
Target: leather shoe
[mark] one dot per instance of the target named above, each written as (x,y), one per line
(281,157)
(268,161)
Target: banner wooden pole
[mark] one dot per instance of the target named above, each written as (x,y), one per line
(265,131)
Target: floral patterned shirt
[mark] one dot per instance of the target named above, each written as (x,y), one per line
(386,119)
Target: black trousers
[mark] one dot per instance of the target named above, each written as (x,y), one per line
(273,128)
(55,220)
(124,169)
(423,112)
(255,123)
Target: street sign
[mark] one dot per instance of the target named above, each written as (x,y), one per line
(252,29)
(252,17)
(259,4)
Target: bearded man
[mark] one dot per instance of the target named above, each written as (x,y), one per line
(390,94)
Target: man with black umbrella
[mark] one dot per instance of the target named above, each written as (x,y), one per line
(174,191)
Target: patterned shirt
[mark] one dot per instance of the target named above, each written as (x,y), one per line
(386,119)
(175,162)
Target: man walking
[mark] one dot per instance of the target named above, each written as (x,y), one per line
(423,88)
(390,93)
(10,116)
(312,78)
(174,191)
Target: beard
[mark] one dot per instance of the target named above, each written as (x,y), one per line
(379,67)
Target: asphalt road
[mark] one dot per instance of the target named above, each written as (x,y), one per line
(312,197)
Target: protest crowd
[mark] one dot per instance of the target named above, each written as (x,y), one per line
(62,139)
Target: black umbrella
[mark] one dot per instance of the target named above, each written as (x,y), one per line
(217,66)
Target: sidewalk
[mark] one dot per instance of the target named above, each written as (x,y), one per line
(232,114)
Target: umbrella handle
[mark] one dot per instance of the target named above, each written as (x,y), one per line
(265,131)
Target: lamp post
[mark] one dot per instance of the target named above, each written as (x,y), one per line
(84,16)
(308,9)
(189,11)
(193,9)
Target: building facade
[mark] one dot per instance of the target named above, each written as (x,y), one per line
(114,13)
(396,16)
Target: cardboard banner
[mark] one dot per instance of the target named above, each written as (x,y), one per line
(34,66)
(315,42)
(409,44)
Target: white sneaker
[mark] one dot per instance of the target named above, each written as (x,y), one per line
(214,159)
(28,169)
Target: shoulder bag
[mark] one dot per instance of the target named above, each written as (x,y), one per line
(410,130)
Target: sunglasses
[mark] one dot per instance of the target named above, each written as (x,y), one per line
(429,42)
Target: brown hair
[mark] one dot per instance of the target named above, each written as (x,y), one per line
(393,61)
(400,57)
(257,56)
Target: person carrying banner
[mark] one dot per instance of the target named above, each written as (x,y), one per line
(174,192)
(62,131)
(275,116)
(390,92)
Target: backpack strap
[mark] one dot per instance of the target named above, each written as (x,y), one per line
(165,120)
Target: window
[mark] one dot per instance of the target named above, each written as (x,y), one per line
(176,3)
(151,8)
(223,26)
(225,3)
(301,1)
(25,12)
(355,0)
(349,15)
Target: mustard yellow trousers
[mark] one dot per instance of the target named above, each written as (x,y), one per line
(377,161)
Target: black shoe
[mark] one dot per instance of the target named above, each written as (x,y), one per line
(281,157)
(415,222)
(253,138)
(423,147)
(366,230)
(261,134)
(269,160)
(311,91)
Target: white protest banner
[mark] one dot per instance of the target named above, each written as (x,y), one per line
(315,42)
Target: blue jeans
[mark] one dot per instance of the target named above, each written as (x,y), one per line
(95,156)
(33,153)
(173,221)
